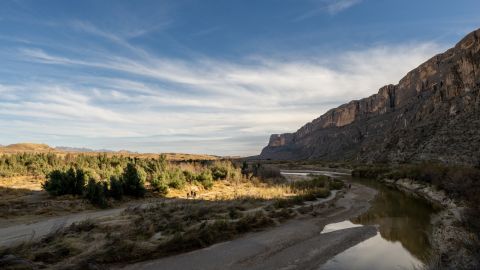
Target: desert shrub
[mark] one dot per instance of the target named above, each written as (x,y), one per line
(55,184)
(244,169)
(176,178)
(288,202)
(134,181)
(234,213)
(116,187)
(267,172)
(207,184)
(159,185)
(285,213)
(62,183)
(317,182)
(82,226)
(219,172)
(319,193)
(373,172)
(252,222)
(96,192)
(189,176)
(206,179)
(336,184)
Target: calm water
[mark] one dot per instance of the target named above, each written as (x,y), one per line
(403,223)
(402,239)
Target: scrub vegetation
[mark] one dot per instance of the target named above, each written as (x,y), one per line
(173,207)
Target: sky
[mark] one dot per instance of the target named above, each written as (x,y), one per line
(205,76)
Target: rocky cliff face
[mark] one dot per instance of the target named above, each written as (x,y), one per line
(433,113)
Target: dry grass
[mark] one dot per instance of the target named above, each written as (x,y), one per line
(231,190)
(22,182)
(22,199)
(174,225)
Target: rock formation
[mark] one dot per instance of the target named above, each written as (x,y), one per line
(432,114)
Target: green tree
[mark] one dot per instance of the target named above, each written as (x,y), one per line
(96,192)
(134,181)
(116,187)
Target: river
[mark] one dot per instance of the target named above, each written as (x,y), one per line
(403,226)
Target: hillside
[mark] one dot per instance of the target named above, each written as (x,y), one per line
(433,113)
(44,148)
(26,147)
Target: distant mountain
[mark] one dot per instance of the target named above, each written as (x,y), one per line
(82,150)
(43,148)
(432,114)
(26,147)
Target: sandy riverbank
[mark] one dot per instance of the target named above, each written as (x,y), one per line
(294,244)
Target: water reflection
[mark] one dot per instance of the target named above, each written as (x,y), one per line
(339,226)
(374,253)
(403,224)
(401,218)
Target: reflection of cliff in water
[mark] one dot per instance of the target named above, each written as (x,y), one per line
(401,218)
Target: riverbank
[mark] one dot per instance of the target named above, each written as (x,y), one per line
(451,241)
(296,244)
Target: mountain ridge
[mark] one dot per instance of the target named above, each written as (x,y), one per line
(387,126)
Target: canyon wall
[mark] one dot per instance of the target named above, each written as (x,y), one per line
(433,114)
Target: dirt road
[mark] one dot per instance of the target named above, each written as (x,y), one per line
(34,231)
(297,244)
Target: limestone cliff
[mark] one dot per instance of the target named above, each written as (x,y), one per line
(433,113)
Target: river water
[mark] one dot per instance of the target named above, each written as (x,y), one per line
(401,242)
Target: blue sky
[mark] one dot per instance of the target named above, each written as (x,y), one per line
(204,76)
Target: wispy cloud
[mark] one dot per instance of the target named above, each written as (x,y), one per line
(207,31)
(158,99)
(331,7)
(336,6)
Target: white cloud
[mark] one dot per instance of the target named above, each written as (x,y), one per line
(161,99)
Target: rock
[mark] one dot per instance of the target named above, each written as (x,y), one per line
(433,113)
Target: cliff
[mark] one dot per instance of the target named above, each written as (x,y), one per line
(431,114)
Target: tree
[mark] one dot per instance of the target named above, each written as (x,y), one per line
(54,184)
(158,184)
(245,168)
(96,192)
(134,181)
(116,187)
(61,183)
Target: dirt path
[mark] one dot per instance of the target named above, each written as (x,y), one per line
(11,234)
(297,244)
(28,232)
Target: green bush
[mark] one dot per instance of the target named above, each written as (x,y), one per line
(245,170)
(336,184)
(219,172)
(317,182)
(62,183)
(159,185)
(373,172)
(268,172)
(116,187)
(134,181)
(96,192)
(206,179)
(189,176)
(176,179)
